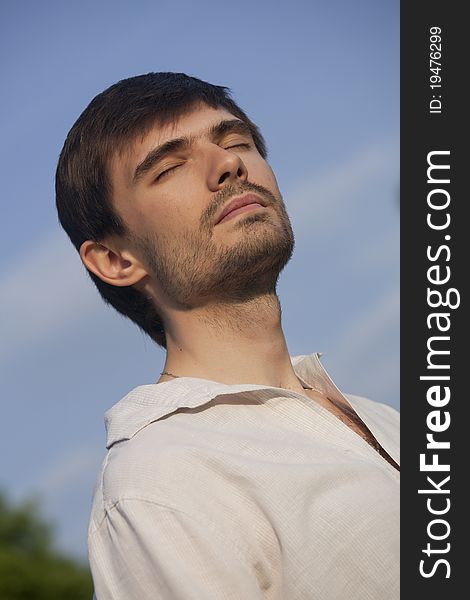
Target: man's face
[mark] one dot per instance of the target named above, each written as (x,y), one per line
(171,204)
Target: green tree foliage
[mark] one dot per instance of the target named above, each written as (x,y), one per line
(30,567)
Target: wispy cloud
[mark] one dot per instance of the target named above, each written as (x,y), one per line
(66,488)
(42,293)
(323,201)
(380,253)
(76,467)
(333,207)
(369,326)
(365,354)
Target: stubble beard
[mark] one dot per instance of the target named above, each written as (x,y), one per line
(194,270)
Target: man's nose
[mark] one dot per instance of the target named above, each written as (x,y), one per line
(225,167)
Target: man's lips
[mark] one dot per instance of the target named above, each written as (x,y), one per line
(240,204)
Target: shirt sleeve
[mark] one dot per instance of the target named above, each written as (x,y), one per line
(144,550)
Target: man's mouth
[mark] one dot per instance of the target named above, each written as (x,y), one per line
(240,205)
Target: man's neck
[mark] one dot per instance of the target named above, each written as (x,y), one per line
(232,344)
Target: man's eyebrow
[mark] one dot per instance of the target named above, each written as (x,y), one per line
(216,131)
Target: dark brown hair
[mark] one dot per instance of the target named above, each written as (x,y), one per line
(112,120)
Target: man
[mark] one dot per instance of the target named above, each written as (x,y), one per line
(242,472)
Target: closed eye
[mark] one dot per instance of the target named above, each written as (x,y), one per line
(166,172)
(241,145)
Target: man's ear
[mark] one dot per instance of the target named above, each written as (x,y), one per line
(110,264)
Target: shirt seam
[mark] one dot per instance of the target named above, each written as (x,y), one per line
(167,507)
(101,488)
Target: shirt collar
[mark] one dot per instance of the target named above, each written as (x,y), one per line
(146,404)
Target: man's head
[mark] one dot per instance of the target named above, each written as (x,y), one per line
(142,180)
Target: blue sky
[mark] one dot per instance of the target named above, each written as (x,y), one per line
(321,79)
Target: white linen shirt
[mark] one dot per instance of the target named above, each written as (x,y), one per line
(245,492)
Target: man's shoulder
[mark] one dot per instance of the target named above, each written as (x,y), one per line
(146,457)
(149,467)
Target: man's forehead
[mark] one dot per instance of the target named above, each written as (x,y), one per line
(199,119)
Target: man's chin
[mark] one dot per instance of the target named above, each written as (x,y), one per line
(256,263)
